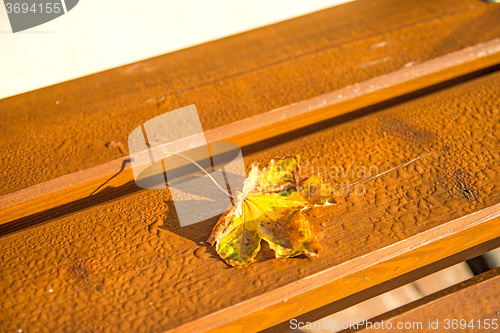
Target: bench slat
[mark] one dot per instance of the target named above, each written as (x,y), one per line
(468,305)
(64,128)
(111,267)
(77,191)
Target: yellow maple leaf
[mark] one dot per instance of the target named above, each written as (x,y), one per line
(270,209)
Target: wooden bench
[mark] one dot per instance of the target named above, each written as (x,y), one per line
(467,306)
(408,89)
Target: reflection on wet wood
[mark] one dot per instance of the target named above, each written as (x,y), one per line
(420,177)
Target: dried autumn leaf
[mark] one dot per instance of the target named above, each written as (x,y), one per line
(270,208)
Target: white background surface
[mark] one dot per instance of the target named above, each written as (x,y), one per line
(102,34)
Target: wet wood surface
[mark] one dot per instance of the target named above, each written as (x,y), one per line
(112,266)
(470,306)
(82,123)
(83,189)
(373,281)
(428,167)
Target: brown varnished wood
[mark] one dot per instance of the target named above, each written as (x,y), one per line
(72,126)
(360,286)
(470,304)
(83,189)
(127,265)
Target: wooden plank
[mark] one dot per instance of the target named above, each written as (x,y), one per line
(77,191)
(82,123)
(470,306)
(386,301)
(112,268)
(356,288)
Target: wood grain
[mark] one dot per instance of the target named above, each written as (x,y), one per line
(72,126)
(470,304)
(126,265)
(80,190)
(370,282)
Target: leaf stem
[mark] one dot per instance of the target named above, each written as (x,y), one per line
(202,169)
